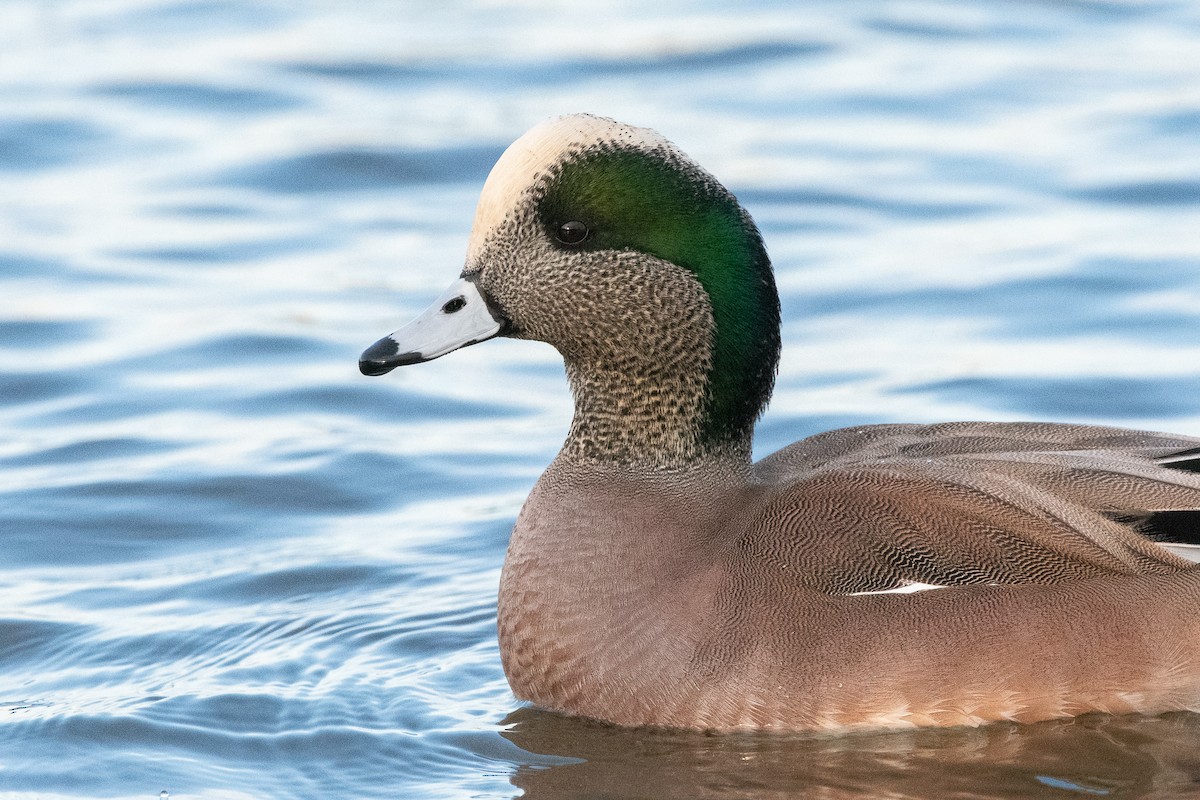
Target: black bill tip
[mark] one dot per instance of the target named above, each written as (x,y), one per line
(384,356)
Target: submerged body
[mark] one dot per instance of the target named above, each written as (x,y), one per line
(872,577)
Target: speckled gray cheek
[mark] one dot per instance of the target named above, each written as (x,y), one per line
(640,386)
(502,265)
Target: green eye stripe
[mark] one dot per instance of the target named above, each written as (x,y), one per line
(652,202)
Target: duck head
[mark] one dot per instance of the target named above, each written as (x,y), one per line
(609,243)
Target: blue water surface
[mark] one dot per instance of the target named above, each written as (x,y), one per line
(235,568)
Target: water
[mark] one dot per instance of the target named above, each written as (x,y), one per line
(235,568)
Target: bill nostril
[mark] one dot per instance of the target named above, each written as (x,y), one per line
(454,304)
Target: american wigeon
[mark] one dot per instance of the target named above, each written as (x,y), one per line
(890,575)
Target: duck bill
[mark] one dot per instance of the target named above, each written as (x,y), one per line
(459,317)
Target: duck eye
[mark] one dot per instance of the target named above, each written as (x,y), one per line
(572,232)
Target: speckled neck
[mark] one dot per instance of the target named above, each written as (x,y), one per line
(642,378)
(630,420)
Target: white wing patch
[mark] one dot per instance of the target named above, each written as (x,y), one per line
(1189,551)
(907,587)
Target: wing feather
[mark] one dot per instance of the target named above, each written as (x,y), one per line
(869,509)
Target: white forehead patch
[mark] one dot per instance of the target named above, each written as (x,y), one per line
(540,148)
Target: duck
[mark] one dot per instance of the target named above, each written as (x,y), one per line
(874,577)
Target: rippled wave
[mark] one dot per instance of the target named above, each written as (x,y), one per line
(236,568)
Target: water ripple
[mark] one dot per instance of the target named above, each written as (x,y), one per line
(35,144)
(352,170)
(236,568)
(200,98)
(1145,193)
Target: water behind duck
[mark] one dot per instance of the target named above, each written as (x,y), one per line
(237,568)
